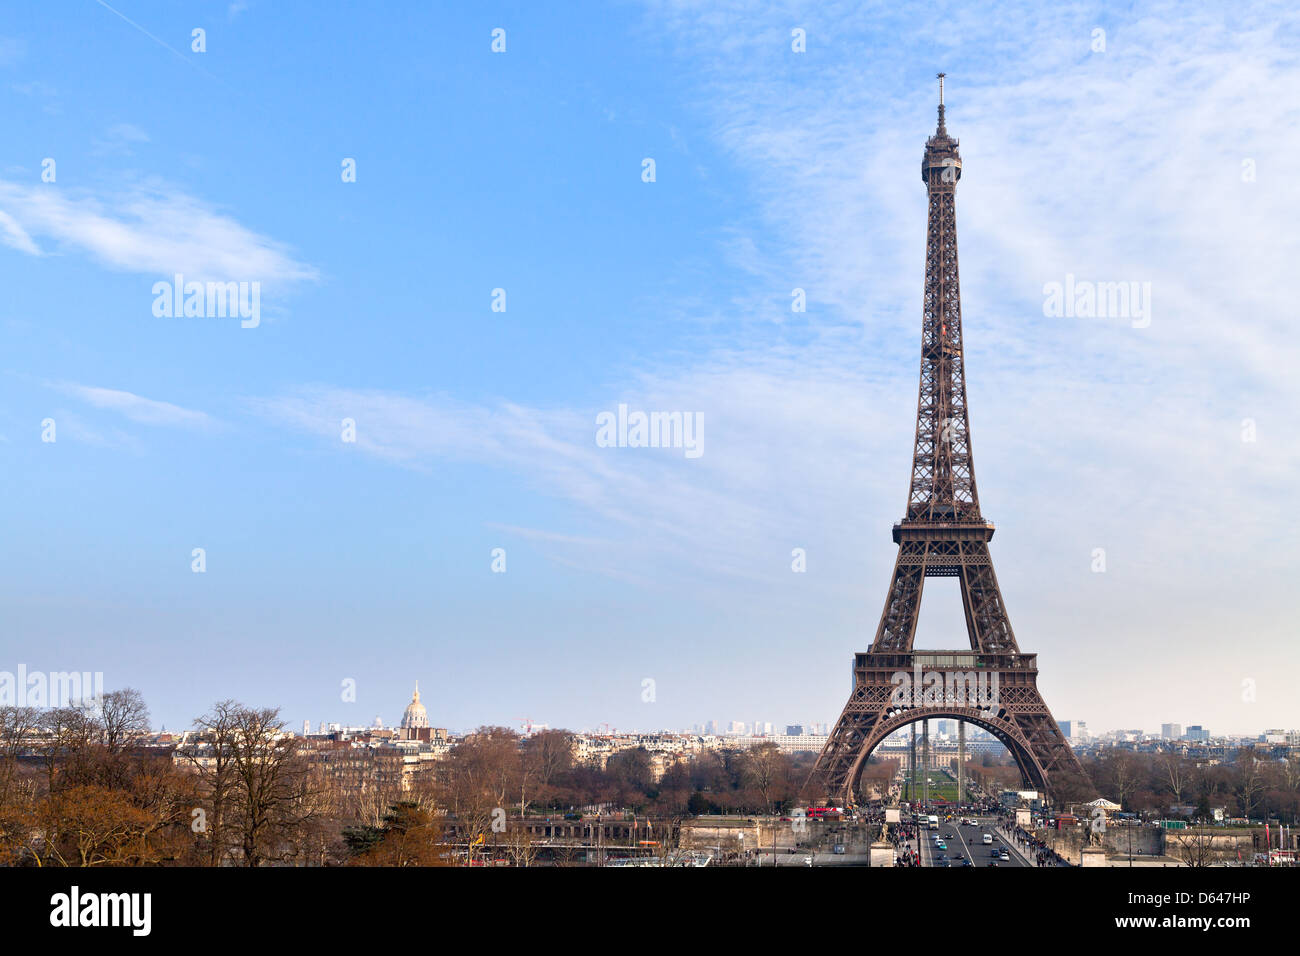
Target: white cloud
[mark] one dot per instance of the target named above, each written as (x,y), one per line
(155,231)
(146,411)
(15,236)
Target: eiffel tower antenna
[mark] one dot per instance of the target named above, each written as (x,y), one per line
(991,684)
(941,126)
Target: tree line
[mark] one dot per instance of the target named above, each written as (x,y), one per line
(78,788)
(1247,785)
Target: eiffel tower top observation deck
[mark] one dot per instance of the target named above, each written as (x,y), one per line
(941,149)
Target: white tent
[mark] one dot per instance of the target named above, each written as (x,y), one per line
(1104,804)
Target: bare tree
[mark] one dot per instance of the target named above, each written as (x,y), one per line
(1196,847)
(211,755)
(16,727)
(1118,770)
(762,767)
(1250,780)
(274,797)
(123,716)
(550,753)
(16,795)
(481,776)
(1174,766)
(71,733)
(519,845)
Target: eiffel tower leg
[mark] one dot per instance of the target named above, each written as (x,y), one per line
(1066,779)
(897,626)
(830,780)
(986,616)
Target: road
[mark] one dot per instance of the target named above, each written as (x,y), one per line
(968,842)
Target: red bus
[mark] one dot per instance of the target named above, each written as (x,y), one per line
(823,813)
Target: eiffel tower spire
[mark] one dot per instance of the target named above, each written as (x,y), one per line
(943,534)
(942,130)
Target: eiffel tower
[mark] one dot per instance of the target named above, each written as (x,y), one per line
(992,685)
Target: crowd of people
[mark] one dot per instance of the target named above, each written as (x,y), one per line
(1030,847)
(902,837)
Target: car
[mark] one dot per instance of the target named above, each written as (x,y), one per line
(941,845)
(988,838)
(995,853)
(965,863)
(993,864)
(958,856)
(1004,856)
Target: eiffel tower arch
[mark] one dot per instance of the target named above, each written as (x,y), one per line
(944,534)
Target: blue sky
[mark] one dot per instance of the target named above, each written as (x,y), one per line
(522,170)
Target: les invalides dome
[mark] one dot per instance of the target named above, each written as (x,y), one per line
(415,715)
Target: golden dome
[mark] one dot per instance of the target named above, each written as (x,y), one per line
(415,715)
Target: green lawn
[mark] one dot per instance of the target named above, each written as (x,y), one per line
(942,787)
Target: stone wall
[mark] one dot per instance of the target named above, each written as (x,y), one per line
(733,834)
(1203,846)
(1146,841)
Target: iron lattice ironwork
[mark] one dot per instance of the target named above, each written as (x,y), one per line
(945,535)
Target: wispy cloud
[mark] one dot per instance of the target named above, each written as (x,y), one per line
(137,408)
(118,140)
(15,236)
(155,231)
(34,88)
(733,512)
